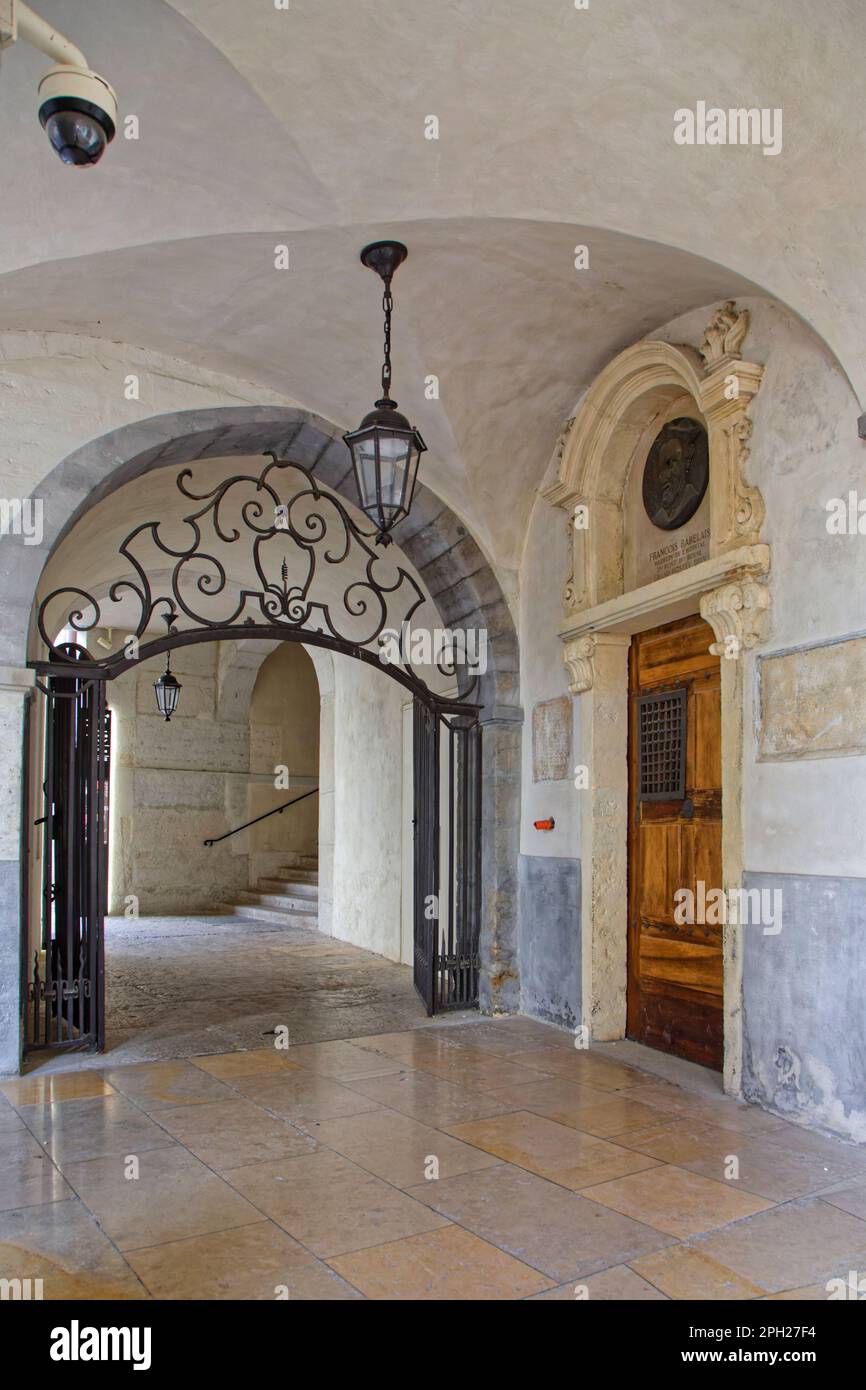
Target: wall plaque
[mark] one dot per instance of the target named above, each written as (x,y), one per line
(551,740)
(666,506)
(676,473)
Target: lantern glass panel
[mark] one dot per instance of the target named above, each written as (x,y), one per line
(364,457)
(394,452)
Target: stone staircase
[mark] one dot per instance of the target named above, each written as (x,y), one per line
(289,898)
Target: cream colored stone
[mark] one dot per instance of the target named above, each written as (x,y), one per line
(813,702)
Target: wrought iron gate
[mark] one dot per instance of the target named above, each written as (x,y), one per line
(425,822)
(458,960)
(278,524)
(446,923)
(65,993)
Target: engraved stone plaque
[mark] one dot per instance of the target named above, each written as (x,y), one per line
(551,740)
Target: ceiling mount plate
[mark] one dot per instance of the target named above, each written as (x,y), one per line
(384,257)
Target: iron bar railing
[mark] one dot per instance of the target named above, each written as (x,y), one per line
(277,811)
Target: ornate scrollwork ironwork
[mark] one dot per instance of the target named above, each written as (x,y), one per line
(298,536)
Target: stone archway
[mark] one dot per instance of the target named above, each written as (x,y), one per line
(621,411)
(450,562)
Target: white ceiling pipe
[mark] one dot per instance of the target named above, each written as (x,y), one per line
(46,38)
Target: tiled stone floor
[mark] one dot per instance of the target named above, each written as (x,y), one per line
(468,1159)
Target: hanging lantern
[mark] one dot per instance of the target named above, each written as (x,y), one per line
(168,687)
(168,690)
(385,448)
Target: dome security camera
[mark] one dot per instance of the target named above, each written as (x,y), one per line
(77,107)
(78,111)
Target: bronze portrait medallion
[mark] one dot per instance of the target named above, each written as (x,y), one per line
(676,473)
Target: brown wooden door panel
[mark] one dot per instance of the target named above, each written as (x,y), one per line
(660,862)
(707,857)
(682,962)
(706,725)
(675,975)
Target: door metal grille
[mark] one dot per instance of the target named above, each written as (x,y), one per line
(662,746)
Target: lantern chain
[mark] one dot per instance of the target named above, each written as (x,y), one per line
(387,305)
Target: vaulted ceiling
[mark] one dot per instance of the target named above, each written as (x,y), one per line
(307,126)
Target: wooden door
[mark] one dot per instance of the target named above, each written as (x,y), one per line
(675,841)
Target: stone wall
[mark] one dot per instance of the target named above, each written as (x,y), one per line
(173,785)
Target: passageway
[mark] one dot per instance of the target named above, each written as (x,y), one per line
(180,986)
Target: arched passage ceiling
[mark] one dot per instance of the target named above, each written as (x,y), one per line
(556,128)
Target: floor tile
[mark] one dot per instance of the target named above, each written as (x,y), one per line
(62,1244)
(410,1048)
(250,1262)
(812,1293)
(174,1196)
(444,1264)
(153,1085)
(27,1182)
(330,1204)
(233,1133)
(795,1139)
(722,1111)
(685,1272)
(676,1201)
(587,1068)
(429,1098)
(619,1283)
(586,1108)
(500,1042)
(552,1150)
(397,1148)
(96,1128)
(304,1095)
(801,1243)
(60,1086)
(9,1118)
(515,1025)
(228,1066)
(848,1196)
(763,1168)
(538,1087)
(562,1235)
(478,1070)
(341,1061)
(17,1144)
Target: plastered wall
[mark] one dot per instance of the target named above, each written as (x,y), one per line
(284,734)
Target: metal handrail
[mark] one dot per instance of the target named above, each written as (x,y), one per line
(277,811)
